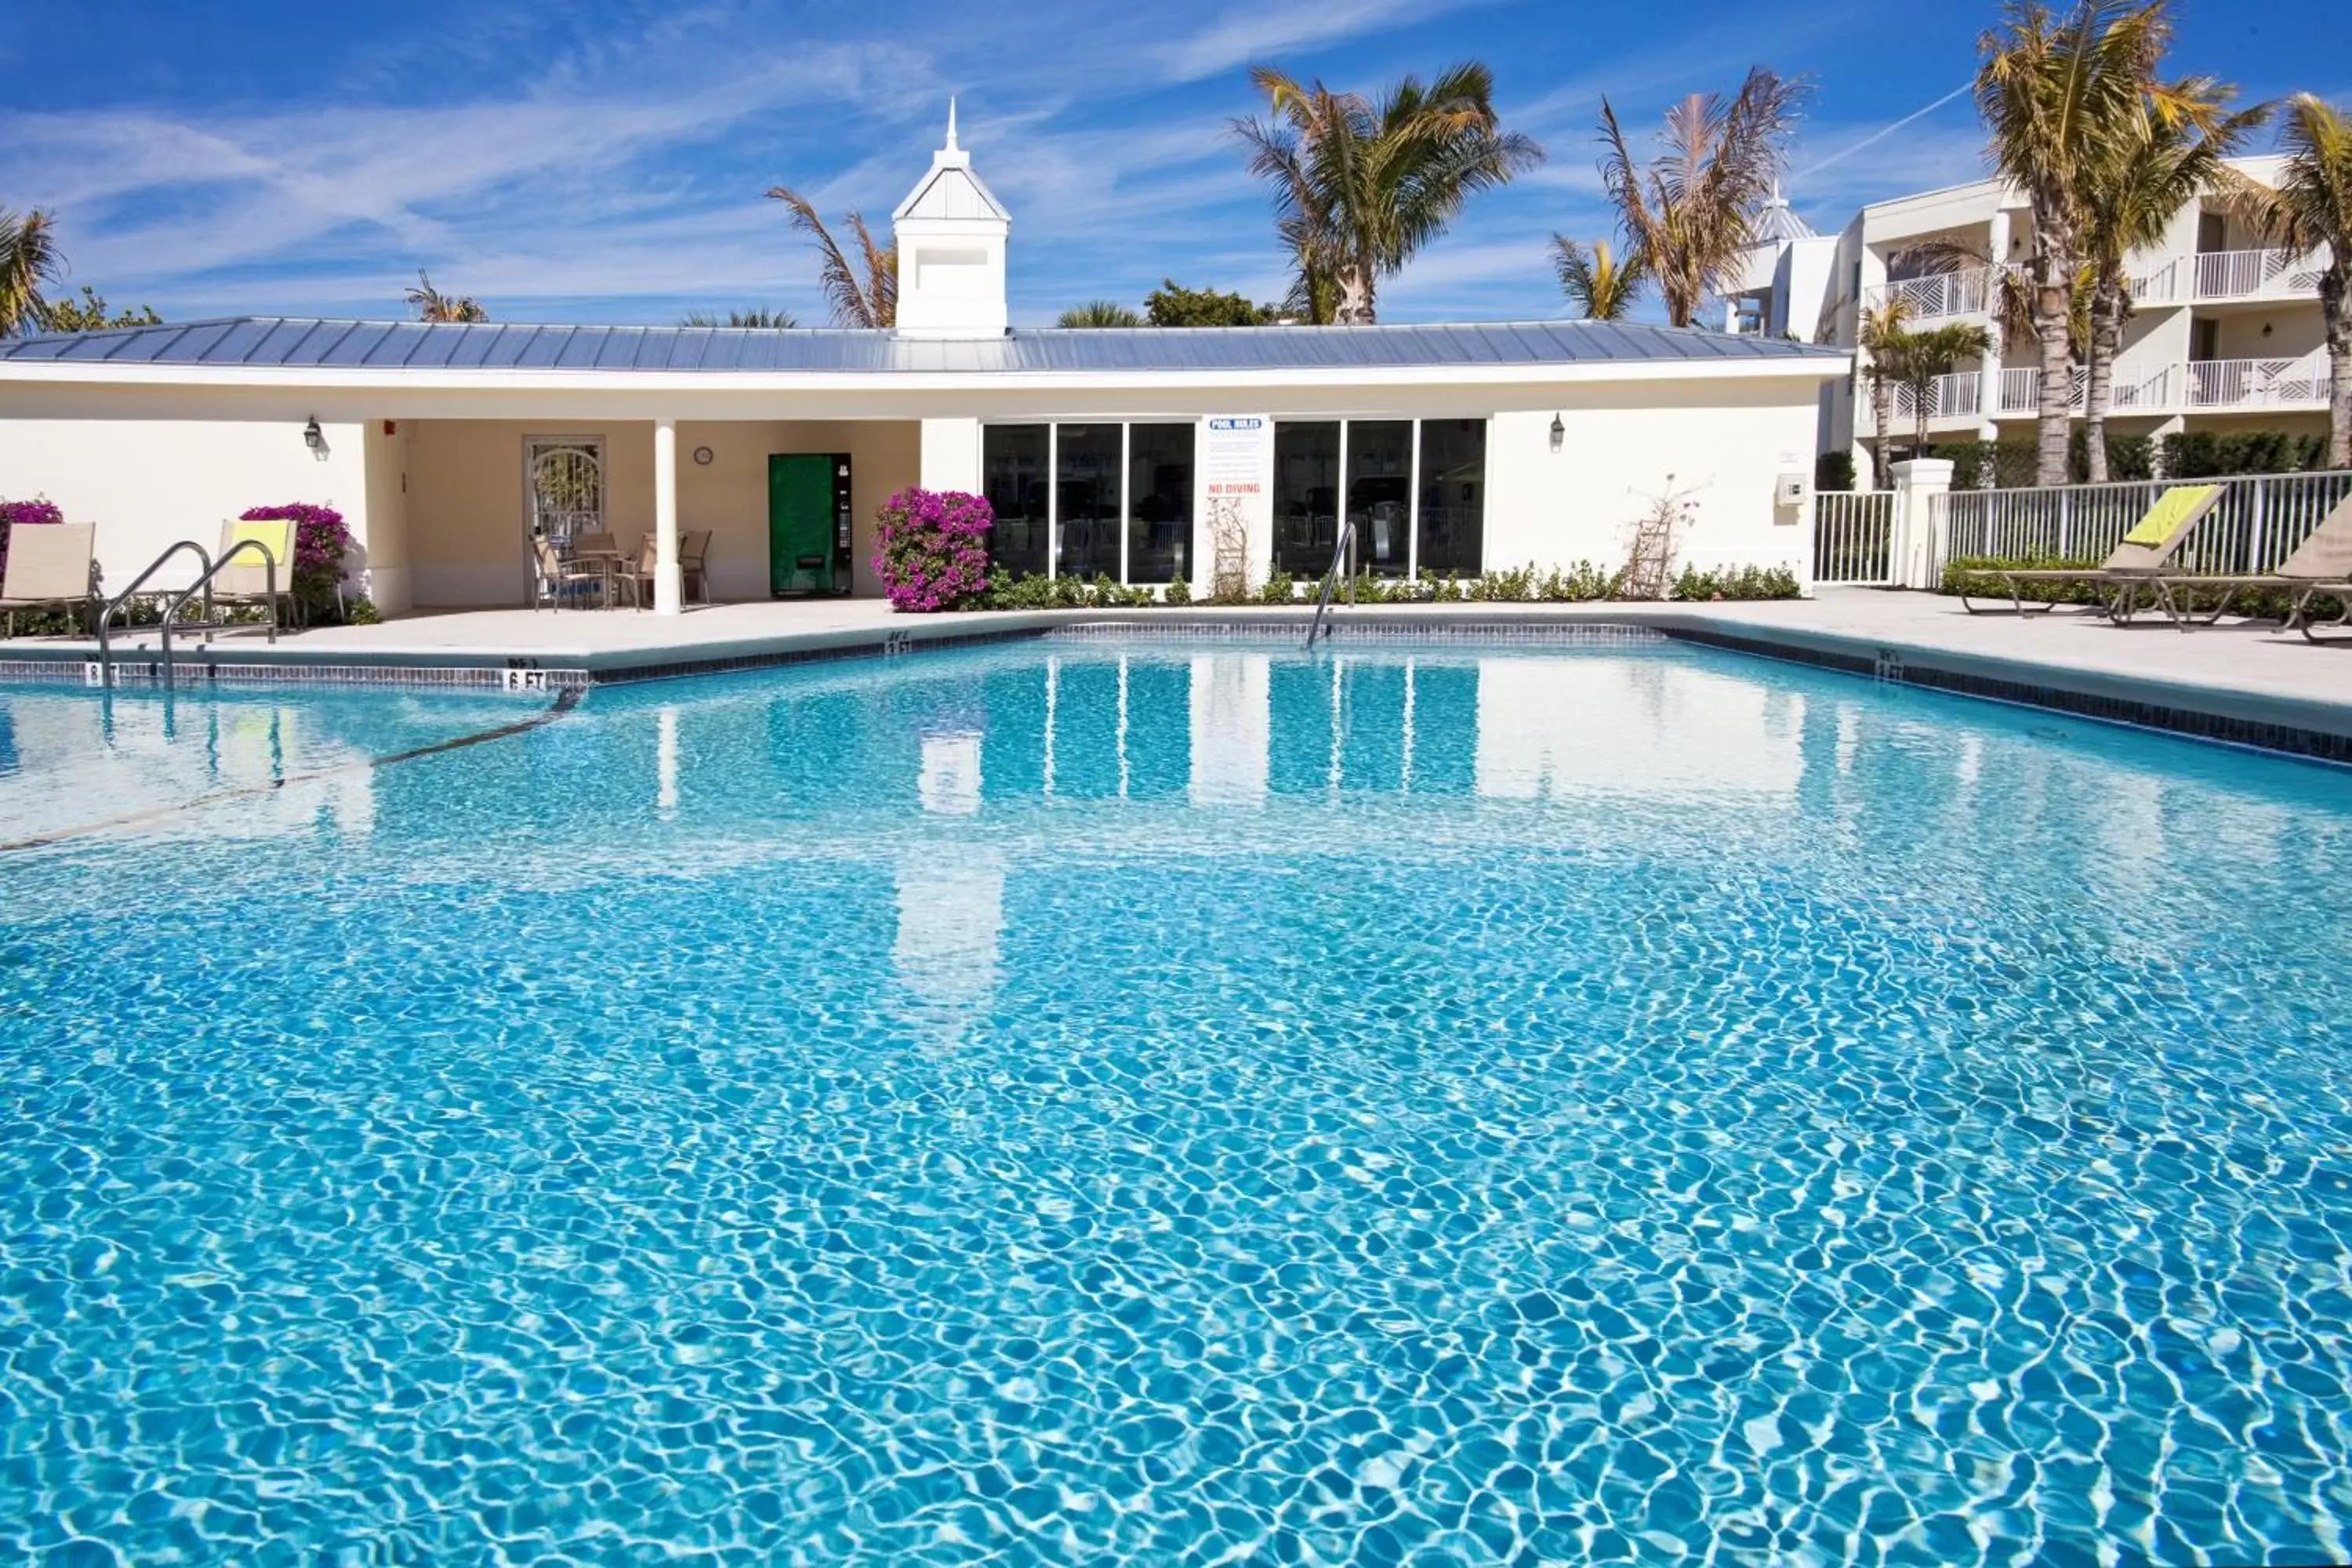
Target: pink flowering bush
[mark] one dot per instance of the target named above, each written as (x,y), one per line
(931,549)
(15,512)
(321,544)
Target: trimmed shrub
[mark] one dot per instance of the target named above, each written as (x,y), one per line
(931,549)
(1736,582)
(1834,471)
(1179,591)
(2214,454)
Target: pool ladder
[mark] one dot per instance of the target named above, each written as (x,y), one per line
(202,585)
(1330,580)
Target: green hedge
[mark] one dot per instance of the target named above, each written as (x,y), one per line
(2193,455)
(1583,582)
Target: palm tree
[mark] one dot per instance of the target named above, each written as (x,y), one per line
(1100,313)
(2311,205)
(751,318)
(432,305)
(1360,187)
(1692,211)
(864,295)
(2057,96)
(1596,283)
(1881,336)
(28,260)
(2158,165)
(1921,357)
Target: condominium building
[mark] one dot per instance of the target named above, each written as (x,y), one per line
(2224,334)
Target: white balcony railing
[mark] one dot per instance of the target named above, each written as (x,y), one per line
(1940,294)
(2255,274)
(2257,383)
(1960,395)
(2197,384)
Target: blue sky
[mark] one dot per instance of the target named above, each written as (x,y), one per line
(604,161)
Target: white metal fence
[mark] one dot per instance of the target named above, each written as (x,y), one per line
(1854,532)
(2260,520)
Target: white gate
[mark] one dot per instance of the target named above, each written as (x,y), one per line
(1853,537)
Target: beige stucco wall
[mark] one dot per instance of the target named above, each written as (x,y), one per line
(147,484)
(385,558)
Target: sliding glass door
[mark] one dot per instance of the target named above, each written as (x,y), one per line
(1159,502)
(1380,495)
(1012,466)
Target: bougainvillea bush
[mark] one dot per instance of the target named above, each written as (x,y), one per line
(13,512)
(322,545)
(931,549)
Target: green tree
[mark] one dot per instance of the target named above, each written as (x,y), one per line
(2057,95)
(2163,160)
(29,259)
(864,294)
(1692,211)
(1173,305)
(1100,313)
(1920,357)
(1360,186)
(1881,334)
(751,318)
(432,305)
(1601,286)
(89,312)
(2311,205)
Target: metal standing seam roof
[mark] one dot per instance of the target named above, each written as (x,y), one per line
(289,342)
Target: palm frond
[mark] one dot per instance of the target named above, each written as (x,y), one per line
(868,301)
(29,260)
(1601,286)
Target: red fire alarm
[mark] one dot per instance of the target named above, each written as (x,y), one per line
(392,426)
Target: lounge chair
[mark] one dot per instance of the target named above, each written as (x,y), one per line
(263,572)
(2320,568)
(2145,551)
(51,565)
(635,572)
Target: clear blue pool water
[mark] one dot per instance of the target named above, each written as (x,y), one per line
(1078,1102)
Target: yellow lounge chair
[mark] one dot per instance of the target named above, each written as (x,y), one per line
(2133,563)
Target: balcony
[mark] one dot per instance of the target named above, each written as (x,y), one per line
(2200,385)
(1940,294)
(1955,396)
(2255,275)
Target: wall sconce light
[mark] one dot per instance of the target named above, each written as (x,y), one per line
(2266,328)
(316,439)
(1558,433)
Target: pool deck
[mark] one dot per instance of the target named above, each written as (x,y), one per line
(2239,681)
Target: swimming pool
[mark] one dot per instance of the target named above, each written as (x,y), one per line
(1084,1100)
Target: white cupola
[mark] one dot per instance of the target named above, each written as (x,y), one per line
(950,232)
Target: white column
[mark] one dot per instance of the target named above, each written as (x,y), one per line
(950,454)
(1916,548)
(670,583)
(1996,257)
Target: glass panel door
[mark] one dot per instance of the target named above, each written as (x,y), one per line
(1012,478)
(1306,496)
(1159,502)
(1086,484)
(1452,520)
(565,476)
(1379,500)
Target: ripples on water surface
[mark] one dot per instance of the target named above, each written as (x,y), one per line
(1172,1103)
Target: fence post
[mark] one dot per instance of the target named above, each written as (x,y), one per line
(1921,527)
(2257,555)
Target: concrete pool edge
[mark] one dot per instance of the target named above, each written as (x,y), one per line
(2284,723)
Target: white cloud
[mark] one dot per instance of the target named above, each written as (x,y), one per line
(1250,34)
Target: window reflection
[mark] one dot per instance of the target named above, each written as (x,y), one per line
(1380,473)
(1453,519)
(1306,496)
(1159,501)
(1086,479)
(1012,478)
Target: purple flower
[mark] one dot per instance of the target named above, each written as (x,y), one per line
(931,549)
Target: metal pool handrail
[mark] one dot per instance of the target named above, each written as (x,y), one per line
(106,615)
(1339,559)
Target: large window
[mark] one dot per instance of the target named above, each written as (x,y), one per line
(1306,496)
(1119,504)
(1012,477)
(1452,520)
(1159,502)
(1086,486)
(1379,494)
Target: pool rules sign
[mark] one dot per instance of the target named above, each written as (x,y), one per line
(1236,468)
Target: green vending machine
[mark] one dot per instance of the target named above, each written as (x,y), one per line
(808,524)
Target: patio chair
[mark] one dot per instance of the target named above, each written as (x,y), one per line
(557,576)
(250,579)
(693,554)
(635,572)
(2132,564)
(2320,568)
(51,565)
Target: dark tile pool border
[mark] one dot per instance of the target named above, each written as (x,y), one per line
(1903,664)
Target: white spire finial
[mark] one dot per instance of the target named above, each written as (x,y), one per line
(951,141)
